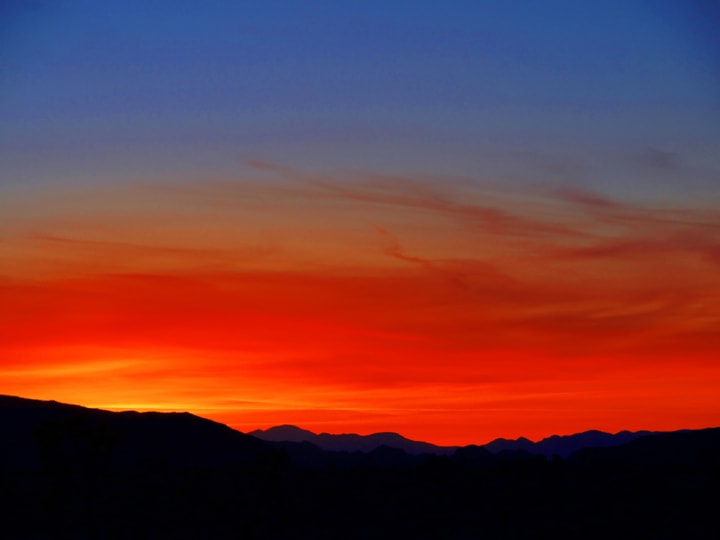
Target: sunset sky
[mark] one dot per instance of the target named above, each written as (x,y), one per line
(455,220)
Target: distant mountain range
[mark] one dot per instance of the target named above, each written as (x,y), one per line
(73,472)
(562,446)
(350,442)
(171,428)
(165,431)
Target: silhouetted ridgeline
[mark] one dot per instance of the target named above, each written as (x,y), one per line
(562,446)
(72,472)
(349,442)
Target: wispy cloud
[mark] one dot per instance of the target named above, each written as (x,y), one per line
(306,291)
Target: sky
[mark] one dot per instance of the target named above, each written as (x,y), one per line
(455,220)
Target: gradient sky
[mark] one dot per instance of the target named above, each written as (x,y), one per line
(457,221)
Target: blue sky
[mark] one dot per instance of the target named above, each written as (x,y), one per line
(622,97)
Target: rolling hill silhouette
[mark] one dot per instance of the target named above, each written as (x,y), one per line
(561,445)
(71,472)
(350,442)
(564,445)
(32,429)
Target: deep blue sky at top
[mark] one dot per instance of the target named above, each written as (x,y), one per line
(622,97)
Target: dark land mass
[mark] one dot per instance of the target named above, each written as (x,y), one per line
(350,442)
(564,445)
(72,472)
(561,445)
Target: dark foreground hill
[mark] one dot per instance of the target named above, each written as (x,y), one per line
(70,472)
(35,431)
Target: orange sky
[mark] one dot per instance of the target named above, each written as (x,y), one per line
(448,310)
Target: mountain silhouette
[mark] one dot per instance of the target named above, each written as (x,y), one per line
(69,472)
(565,445)
(561,445)
(32,429)
(350,442)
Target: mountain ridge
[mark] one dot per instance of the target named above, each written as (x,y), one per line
(350,442)
(31,428)
(565,445)
(74,472)
(561,445)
